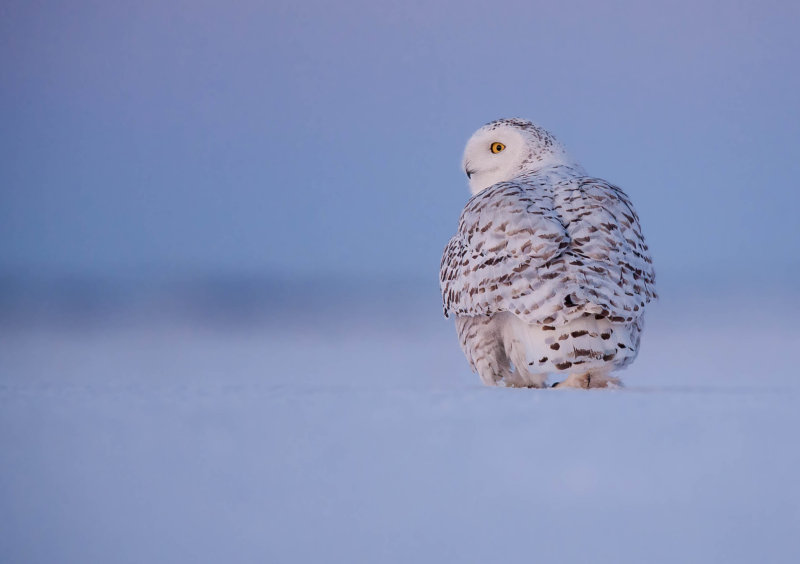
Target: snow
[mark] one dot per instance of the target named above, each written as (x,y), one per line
(363,437)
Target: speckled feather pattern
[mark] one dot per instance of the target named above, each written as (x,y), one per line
(548,272)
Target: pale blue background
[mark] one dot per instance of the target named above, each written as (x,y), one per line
(320,138)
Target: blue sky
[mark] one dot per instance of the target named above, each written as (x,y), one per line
(314,139)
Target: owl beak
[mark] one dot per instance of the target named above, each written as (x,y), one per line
(467,169)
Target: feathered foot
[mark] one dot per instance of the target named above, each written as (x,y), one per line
(517,380)
(589,380)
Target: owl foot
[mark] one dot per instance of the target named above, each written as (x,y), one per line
(588,380)
(522,383)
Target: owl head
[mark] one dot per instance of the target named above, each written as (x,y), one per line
(506,148)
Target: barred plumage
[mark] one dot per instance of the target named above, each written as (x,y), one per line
(549,271)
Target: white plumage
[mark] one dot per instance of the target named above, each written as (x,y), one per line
(549,271)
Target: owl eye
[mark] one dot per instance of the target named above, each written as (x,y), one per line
(497,147)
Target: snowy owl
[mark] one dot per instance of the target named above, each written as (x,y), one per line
(549,271)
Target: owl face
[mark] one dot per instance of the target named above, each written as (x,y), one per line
(505,148)
(493,155)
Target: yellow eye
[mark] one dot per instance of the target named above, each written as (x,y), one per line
(497,147)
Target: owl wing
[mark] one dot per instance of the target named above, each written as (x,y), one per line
(507,235)
(611,264)
(548,253)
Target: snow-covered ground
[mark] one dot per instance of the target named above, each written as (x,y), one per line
(361,436)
